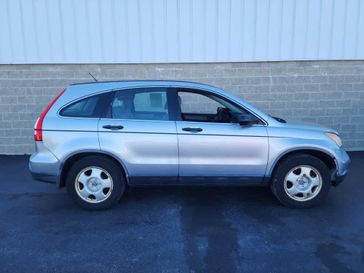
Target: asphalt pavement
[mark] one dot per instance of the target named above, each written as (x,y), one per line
(180,229)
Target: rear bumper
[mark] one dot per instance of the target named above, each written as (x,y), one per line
(43,165)
(44,177)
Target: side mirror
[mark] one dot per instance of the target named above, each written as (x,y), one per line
(246,120)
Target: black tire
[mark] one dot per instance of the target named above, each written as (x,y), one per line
(284,167)
(113,169)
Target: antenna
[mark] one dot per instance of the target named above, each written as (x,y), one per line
(93,77)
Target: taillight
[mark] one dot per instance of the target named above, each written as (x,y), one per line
(38,134)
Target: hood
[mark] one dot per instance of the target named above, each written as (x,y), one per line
(302,125)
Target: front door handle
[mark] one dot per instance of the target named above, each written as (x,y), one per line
(113,127)
(191,129)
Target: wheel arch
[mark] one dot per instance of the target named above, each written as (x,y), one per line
(67,163)
(324,156)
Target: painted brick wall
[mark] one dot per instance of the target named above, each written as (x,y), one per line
(329,93)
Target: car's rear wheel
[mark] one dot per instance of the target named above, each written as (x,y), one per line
(95,182)
(301,181)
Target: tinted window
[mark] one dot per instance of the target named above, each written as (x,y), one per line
(148,104)
(83,108)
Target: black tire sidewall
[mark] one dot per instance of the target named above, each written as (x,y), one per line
(107,164)
(288,164)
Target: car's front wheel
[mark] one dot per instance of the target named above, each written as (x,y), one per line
(95,182)
(301,181)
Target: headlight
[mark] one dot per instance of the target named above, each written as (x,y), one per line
(335,138)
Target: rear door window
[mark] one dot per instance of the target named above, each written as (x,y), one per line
(141,103)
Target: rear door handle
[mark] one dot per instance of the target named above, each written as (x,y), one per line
(193,130)
(113,127)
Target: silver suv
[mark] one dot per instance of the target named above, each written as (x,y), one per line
(99,138)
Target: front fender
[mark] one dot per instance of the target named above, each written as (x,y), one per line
(280,146)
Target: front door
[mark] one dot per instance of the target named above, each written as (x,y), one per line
(213,146)
(139,130)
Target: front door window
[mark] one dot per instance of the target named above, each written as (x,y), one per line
(206,107)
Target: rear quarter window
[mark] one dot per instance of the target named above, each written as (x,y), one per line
(90,107)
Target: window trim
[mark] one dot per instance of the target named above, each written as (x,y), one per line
(110,93)
(172,99)
(203,92)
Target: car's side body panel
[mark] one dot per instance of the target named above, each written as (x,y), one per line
(64,135)
(161,150)
(289,138)
(222,150)
(61,138)
(147,148)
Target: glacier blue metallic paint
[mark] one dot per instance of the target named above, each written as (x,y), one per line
(157,149)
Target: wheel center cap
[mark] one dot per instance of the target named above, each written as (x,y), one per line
(303,182)
(93,184)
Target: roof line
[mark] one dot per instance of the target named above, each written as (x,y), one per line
(122,81)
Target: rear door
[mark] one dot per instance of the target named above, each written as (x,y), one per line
(140,130)
(213,148)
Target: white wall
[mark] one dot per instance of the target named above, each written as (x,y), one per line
(162,31)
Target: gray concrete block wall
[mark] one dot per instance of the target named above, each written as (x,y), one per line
(329,93)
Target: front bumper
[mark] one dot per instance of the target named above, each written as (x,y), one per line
(343,162)
(338,179)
